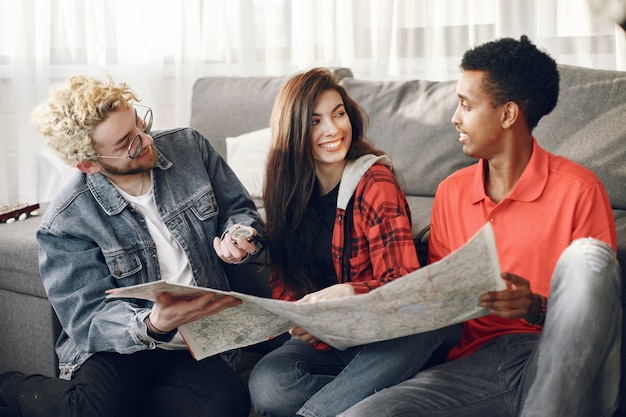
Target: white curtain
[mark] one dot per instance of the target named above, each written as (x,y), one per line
(160,47)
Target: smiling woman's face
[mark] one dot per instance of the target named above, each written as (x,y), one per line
(331,131)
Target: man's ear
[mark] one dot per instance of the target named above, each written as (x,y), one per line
(88,167)
(510,115)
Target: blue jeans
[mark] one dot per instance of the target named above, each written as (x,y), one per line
(297,379)
(572,369)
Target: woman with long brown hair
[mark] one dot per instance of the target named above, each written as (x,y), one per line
(338,224)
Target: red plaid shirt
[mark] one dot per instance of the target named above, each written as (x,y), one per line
(381,243)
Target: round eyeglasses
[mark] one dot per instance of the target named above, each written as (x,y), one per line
(144,124)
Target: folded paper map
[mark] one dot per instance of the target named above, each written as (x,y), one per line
(434,296)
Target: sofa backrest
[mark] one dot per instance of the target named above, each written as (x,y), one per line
(588,125)
(224,107)
(410,121)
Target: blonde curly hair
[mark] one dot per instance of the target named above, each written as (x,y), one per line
(73,111)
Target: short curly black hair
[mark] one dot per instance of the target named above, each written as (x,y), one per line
(517,71)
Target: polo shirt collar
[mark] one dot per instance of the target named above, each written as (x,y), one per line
(530,185)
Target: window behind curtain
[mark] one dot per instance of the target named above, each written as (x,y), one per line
(160,47)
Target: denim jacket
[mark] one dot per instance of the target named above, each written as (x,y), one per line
(91,240)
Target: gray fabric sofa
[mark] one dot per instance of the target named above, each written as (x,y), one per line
(410,120)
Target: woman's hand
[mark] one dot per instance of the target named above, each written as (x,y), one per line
(301,334)
(328,293)
(334,291)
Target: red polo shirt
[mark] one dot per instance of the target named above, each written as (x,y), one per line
(554,202)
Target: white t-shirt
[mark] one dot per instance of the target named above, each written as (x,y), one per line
(172,259)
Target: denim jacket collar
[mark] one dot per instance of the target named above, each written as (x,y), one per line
(105,192)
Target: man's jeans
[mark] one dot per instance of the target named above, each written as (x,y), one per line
(155,383)
(298,379)
(571,369)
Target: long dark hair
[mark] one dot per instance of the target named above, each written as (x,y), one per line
(290,174)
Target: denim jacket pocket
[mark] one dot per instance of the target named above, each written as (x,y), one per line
(206,206)
(124,265)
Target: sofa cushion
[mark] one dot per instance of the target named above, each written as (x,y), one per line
(247,154)
(421,210)
(588,125)
(410,121)
(19,261)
